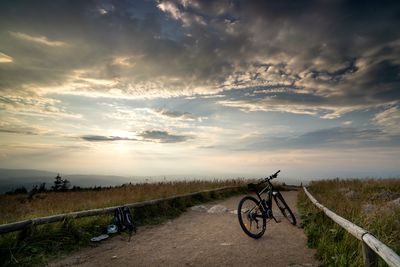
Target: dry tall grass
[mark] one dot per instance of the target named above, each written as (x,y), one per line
(19,207)
(34,245)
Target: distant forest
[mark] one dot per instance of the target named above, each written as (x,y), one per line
(59,185)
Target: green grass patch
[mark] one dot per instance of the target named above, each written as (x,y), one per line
(371,204)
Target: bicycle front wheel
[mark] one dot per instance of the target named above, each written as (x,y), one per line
(284,208)
(251,219)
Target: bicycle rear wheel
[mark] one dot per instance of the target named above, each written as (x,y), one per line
(284,208)
(251,219)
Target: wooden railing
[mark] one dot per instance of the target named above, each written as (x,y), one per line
(10,227)
(370,245)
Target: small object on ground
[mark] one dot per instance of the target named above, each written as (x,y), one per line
(233,211)
(226,244)
(99,238)
(199,208)
(114,257)
(112,229)
(123,220)
(217,209)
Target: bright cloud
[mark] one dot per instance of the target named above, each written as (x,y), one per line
(5,59)
(39,39)
(389,119)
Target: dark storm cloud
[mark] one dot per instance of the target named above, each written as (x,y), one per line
(329,49)
(344,53)
(146,136)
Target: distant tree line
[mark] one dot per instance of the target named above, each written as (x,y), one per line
(59,185)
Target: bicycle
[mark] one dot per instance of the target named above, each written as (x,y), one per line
(252,211)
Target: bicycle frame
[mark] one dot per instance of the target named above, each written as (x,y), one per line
(266,203)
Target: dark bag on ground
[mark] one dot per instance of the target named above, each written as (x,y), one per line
(124,221)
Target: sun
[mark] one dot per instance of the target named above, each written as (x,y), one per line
(122,134)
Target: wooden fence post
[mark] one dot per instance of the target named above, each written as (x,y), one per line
(369,256)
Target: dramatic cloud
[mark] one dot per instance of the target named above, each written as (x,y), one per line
(223,46)
(229,75)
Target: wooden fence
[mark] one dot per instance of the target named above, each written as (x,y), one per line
(10,227)
(370,245)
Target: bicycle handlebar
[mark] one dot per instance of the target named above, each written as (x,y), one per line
(273,176)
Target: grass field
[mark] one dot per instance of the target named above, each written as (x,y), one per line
(35,245)
(372,204)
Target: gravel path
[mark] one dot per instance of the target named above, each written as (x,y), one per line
(199,238)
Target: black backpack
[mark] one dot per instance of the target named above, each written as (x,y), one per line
(124,221)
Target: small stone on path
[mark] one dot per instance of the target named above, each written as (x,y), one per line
(217,209)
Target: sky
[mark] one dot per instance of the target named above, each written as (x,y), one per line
(201,88)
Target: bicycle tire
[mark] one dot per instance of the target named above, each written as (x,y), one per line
(284,208)
(247,219)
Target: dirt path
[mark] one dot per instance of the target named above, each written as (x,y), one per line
(202,239)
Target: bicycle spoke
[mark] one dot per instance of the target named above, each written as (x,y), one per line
(251,217)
